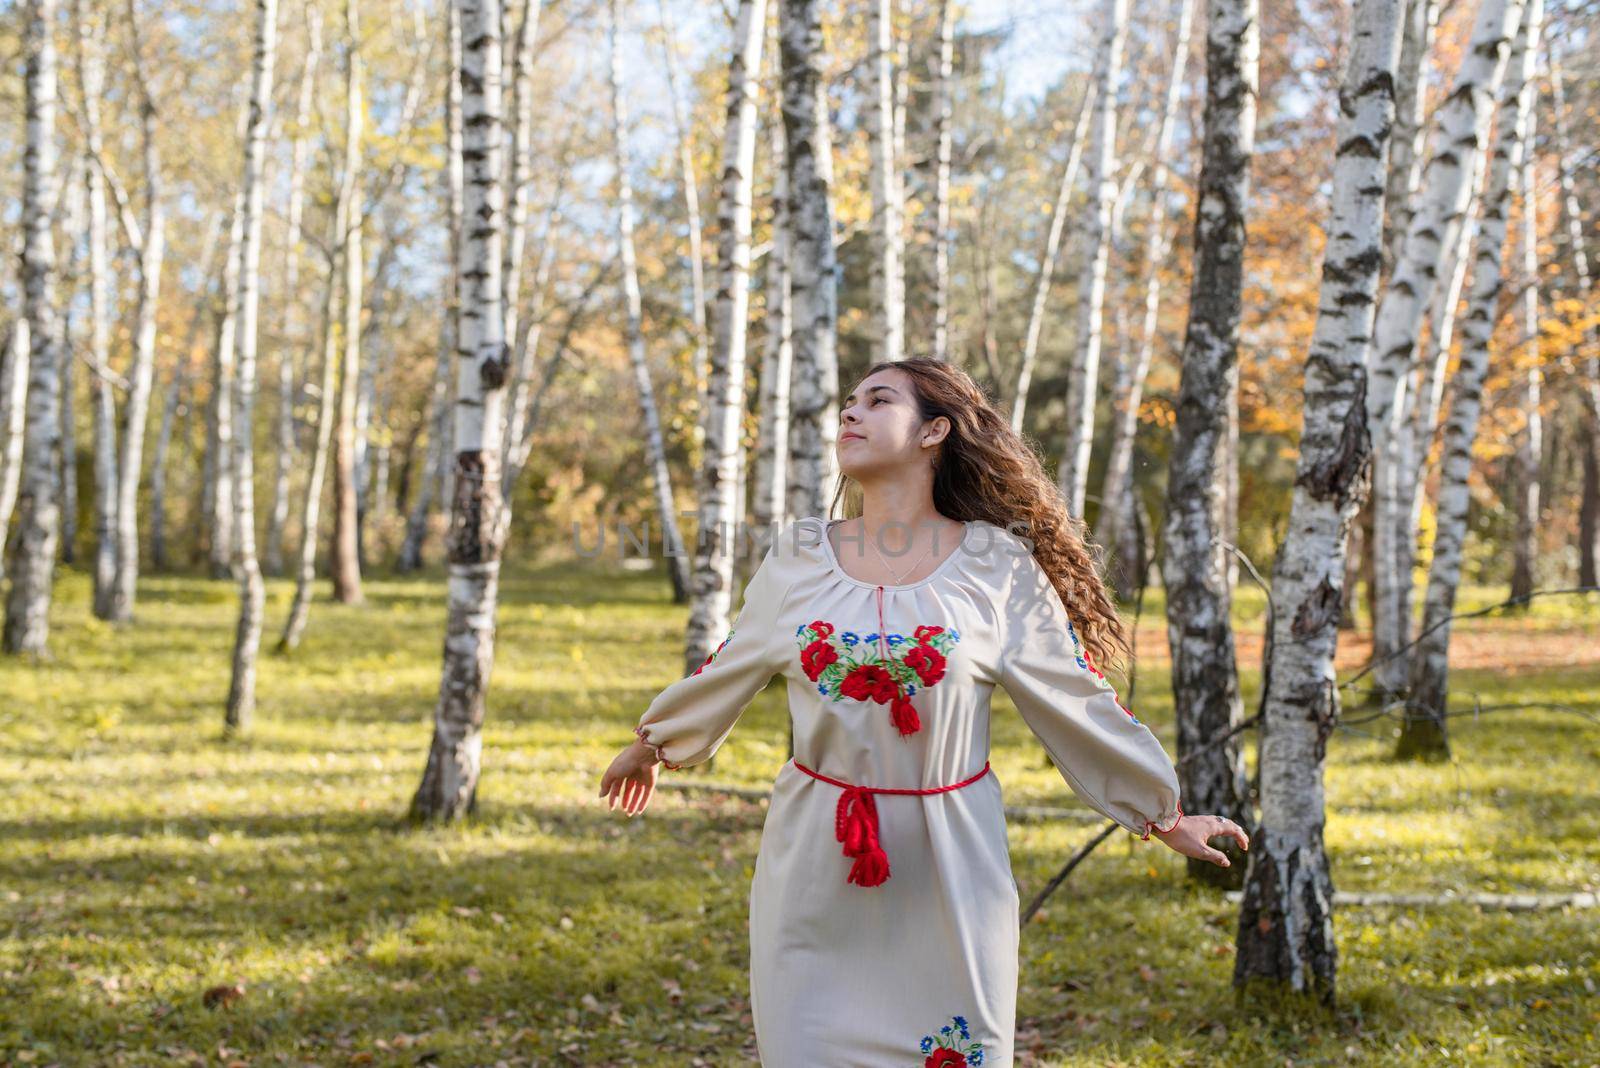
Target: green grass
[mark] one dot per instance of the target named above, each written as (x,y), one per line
(146,860)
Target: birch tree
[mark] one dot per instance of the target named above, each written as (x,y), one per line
(449,786)
(219,451)
(13,407)
(813,278)
(1411,110)
(440,421)
(712,589)
(1205,680)
(770,508)
(1525,540)
(1117,527)
(75,211)
(293,343)
(1286,938)
(1047,258)
(937,219)
(1423,733)
(888,300)
(1461,127)
(91,29)
(655,443)
(691,210)
(149,238)
(33,556)
(247,568)
(345,558)
(1083,379)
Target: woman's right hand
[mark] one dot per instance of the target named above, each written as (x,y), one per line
(631,778)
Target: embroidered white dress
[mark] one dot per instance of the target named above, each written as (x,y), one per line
(898,948)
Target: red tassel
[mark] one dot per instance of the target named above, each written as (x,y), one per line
(904,715)
(856,825)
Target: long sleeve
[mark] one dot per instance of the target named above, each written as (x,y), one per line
(689,720)
(1109,758)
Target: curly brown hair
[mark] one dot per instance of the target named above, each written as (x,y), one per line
(985,470)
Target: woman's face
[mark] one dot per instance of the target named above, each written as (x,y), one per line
(881,428)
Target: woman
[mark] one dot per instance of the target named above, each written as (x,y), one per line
(904,949)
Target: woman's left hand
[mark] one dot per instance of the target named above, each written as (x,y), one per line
(1191,835)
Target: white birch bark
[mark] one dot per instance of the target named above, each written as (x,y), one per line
(1424,733)
(219,457)
(691,210)
(1525,547)
(938,217)
(1116,528)
(71,274)
(247,634)
(711,585)
(150,239)
(1083,380)
(770,508)
(1411,110)
(1047,259)
(888,313)
(91,78)
(13,408)
(1204,673)
(294,625)
(1285,933)
(294,342)
(345,558)
(520,154)
(813,279)
(655,443)
(1461,127)
(449,786)
(440,421)
(33,556)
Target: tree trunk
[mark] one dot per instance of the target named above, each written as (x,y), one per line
(1461,127)
(449,787)
(1047,259)
(440,421)
(1525,548)
(345,560)
(247,634)
(91,77)
(33,558)
(655,444)
(1204,674)
(219,458)
(13,408)
(71,272)
(1285,935)
(1083,381)
(152,253)
(888,308)
(721,473)
(938,218)
(294,342)
(1424,734)
(1411,112)
(777,360)
(691,208)
(813,278)
(1116,530)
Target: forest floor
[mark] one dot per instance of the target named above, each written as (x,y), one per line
(148,867)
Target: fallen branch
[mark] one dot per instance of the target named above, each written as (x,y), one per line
(1502,902)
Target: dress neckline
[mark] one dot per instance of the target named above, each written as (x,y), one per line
(838,569)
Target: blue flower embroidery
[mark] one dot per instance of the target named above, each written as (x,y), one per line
(955,1047)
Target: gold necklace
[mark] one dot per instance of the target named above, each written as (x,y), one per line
(895,573)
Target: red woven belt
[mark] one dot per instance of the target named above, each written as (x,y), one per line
(855,823)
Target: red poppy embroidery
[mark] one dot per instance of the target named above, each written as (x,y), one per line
(952,1047)
(1087,664)
(846,664)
